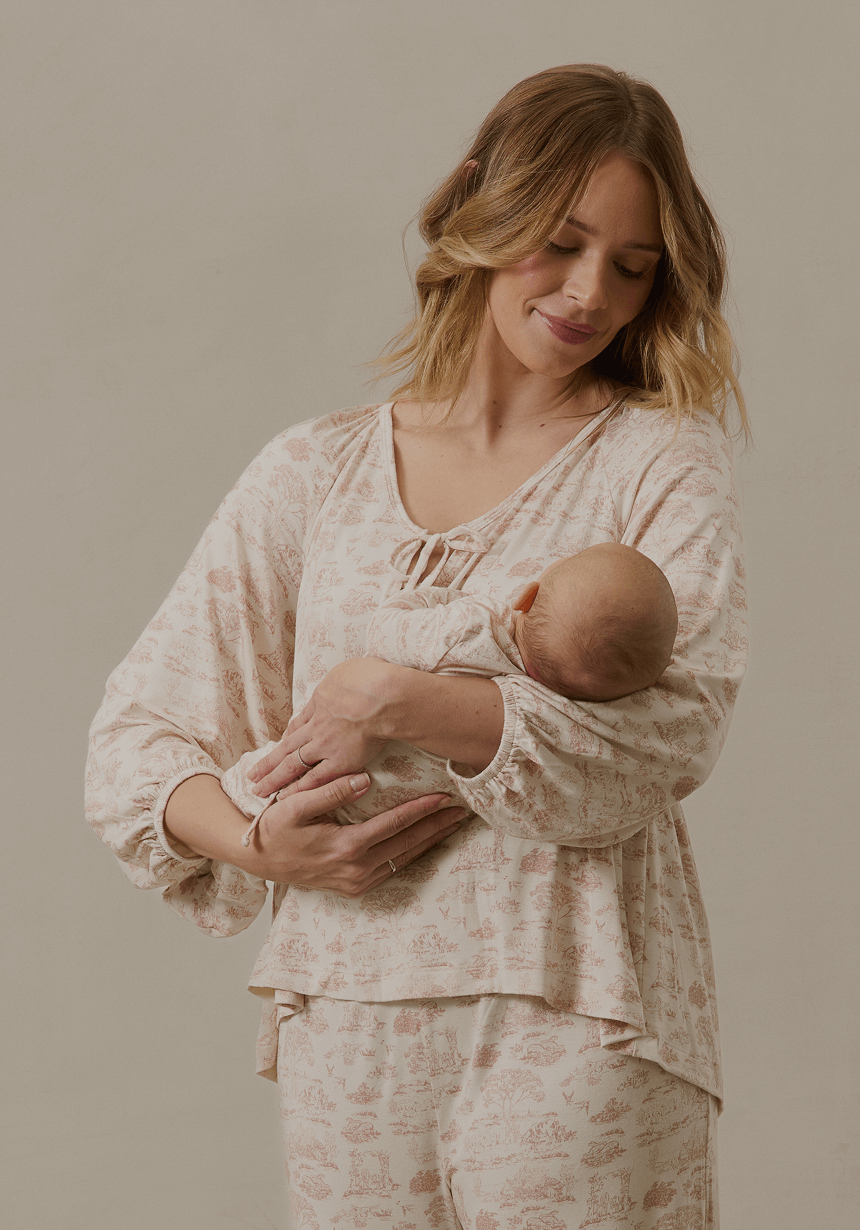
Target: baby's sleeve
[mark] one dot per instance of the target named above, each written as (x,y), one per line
(439,630)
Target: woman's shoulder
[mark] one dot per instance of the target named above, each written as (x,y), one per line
(313,451)
(328,438)
(638,437)
(300,465)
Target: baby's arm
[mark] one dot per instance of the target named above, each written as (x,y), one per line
(440,630)
(398,774)
(430,629)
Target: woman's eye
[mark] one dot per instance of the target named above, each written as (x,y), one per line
(635,274)
(630,273)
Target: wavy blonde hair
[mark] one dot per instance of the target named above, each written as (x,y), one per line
(535,153)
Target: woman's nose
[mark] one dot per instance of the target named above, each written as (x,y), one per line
(587,284)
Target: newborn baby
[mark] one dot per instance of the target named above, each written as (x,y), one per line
(594,626)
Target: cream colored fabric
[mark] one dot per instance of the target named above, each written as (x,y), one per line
(433,629)
(443,631)
(494,1113)
(577,884)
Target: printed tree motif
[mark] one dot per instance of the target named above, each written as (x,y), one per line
(487,1221)
(559,901)
(364,1094)
(540,861)
(506,1089)
(389,903)
(369,1174)
(424,1181)
(659,1196)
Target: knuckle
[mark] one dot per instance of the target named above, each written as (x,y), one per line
(355,884)
(337,791)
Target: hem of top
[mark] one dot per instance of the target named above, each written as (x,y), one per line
(160,806)
(386,990)
(703,1075)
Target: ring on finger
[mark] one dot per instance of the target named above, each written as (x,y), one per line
(391,865)
(302,759)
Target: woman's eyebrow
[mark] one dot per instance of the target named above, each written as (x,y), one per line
(642,247)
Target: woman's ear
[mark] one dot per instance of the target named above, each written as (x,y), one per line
(527,597)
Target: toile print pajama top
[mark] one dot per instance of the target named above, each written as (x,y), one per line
(574,881)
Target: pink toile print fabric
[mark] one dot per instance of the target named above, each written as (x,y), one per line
(575,882)
(434,629)
(489,1113)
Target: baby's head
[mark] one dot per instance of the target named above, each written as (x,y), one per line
(597,625)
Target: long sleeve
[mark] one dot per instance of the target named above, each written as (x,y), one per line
(434,629)
(208,680)
(590,775)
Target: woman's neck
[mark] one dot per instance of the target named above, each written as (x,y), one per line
(500,394)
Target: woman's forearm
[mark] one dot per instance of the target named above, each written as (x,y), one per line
(460,717)
(200,819)
(298,841)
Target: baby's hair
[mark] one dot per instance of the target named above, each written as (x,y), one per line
(605,647)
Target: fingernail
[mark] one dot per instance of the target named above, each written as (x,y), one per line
(359,783)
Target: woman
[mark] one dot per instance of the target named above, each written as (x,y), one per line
(507,1022)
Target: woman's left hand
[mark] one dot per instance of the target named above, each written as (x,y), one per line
(338,732)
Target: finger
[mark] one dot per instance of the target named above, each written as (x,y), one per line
(289,769)
(272,759)
(413,842)
(310,805)
(266,763)
(297,720)
(390,823)
(403,858)
(319,775)
(296,740)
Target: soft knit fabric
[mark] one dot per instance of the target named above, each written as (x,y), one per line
(577,883)
(491,1113)
(433,629)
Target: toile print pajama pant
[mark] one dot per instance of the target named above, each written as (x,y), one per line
(485,1113)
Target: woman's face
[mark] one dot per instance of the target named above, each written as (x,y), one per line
(556,310)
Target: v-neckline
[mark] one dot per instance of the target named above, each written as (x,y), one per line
(480,522)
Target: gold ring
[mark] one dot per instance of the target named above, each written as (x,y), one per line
(391,865)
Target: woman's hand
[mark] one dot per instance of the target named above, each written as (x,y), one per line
(298,842)
(338,732)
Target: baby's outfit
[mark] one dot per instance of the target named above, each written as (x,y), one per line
(442,630)
(430,629)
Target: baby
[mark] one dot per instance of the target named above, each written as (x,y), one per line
(594,626)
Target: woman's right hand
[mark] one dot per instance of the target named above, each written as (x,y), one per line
(298,841)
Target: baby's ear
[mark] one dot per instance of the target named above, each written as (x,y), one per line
(527,597)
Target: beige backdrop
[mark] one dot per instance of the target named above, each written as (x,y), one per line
(201,211)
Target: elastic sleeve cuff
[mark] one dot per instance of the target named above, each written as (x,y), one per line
(477,782)
(160,806)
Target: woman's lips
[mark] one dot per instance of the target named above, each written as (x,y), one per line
(566,331)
